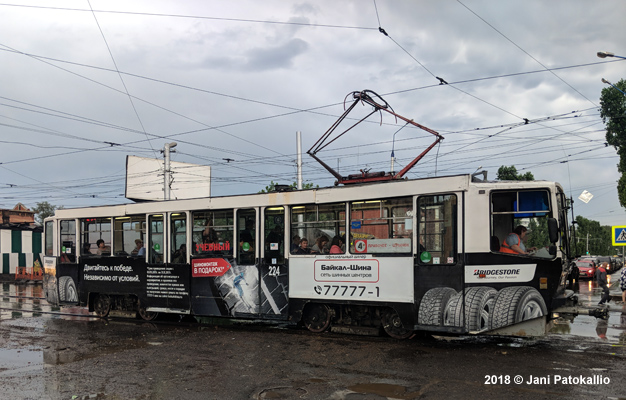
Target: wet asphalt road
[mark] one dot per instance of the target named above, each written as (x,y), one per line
(44,356)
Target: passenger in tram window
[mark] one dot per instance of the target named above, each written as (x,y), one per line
(320,246)
(180,255)
(139,250)
(304,247)
(209,235)
(246,243)
(274,243)
(336,246)
(103,249)
(247,235)
(295,244)
(87,249)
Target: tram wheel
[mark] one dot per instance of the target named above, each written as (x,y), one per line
(317,317)
(102,305)
(144,314)
(393,325)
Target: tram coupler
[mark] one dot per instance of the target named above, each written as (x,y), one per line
(594,311)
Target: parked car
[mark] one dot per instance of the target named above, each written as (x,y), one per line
(586,268)
(618,262)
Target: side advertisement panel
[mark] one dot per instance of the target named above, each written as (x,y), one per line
(494,296)
(221,287)
(159,285)
(352,277)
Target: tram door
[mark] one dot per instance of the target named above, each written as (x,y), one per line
(240,285)
(274,277)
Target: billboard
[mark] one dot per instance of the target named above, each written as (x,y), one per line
(144,179)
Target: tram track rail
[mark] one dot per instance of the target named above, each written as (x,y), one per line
(115,315)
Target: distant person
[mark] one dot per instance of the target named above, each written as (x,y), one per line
(603,283)
(622,285)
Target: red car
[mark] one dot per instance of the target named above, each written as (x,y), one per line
(586,268)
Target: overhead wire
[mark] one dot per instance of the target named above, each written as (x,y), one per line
(524,51)
(294,110)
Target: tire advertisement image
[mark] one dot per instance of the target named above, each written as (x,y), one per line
(485,307)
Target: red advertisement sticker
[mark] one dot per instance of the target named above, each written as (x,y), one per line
(209,267)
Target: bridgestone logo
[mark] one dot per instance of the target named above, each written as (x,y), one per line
(496,272)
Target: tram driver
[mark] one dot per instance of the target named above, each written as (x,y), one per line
(514,242)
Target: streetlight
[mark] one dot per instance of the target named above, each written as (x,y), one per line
(605,54)
(609,83)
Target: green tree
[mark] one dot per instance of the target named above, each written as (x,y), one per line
(44,210)
(510,174)
(538,235)
(272,186)
(613,113)
(592,237)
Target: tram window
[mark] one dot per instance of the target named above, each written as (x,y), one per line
(155,244)
(128,235)
(213,233)
(274,235)
(315,223)
(178,234)
(246,236)
(381,226)
(437,230)
(49,237)
(92,231)
(68,240)
(528,208)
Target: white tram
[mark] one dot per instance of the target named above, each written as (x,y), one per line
(401,255)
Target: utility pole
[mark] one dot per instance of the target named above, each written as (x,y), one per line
(299,164)
(167,180)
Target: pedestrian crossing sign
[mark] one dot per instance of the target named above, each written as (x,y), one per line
(619,235)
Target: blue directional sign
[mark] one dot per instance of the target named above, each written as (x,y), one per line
(619,235)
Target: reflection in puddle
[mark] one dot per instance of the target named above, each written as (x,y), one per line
(14,361)
(611,330)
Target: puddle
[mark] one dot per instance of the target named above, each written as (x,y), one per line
(384,390)
(611,330)
(14,361)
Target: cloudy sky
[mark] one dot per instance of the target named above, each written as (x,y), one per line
(86,83)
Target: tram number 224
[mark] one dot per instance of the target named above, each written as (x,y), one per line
(350,291)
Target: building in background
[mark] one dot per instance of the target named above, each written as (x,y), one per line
(20,240)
